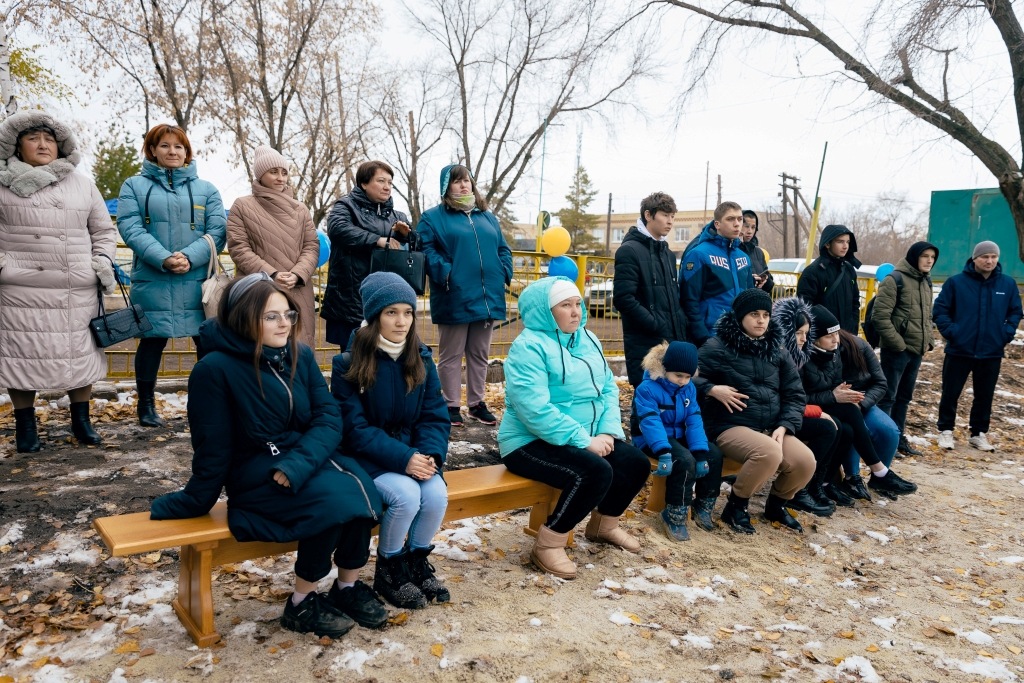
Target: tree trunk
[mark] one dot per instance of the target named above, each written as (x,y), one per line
(1012,186)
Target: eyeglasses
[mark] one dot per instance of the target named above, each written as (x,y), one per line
(290,317)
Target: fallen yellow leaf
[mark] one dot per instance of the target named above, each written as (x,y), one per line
(1012,648)
(772,636)
(127,646)
(846,634)
(437,649)
(872,648)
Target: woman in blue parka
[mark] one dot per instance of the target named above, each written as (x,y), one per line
(162,215)
(265,427)
(469,264)
(563,424)
(396,426)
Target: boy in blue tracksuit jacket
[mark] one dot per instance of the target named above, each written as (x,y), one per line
(714,269)
(666,404)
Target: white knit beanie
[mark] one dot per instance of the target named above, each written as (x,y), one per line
(266,158)
(560,291)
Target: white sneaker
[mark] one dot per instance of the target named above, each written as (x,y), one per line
(981,442)
(946,440)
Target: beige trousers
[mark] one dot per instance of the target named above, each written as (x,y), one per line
(762,456)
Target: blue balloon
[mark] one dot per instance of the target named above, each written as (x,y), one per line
(884,270)
(565,266)
(325,248)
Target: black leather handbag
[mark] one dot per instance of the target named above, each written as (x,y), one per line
(112,328)
(410,265)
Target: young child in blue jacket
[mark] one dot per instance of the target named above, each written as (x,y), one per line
(666,405)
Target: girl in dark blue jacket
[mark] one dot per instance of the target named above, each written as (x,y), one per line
(265,427)
(469,264)
(397,427)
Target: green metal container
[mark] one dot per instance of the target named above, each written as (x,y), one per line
(960,219)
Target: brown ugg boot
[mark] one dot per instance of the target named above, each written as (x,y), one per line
(606,530)
(549,554)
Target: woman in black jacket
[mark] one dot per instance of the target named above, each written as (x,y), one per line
(757,411)
(361,221)
(824,382)
(265,427)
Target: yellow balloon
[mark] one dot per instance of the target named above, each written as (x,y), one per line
(555,241)
(767,256)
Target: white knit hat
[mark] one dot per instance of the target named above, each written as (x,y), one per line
(266,158)
(560,291)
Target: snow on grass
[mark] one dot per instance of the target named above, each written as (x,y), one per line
(881,538)
(12,534)
(690,594)
(884,623)
(67,548)
(986,668)
(859,666)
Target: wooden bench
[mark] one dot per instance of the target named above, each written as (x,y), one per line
(206,542)
(656,499)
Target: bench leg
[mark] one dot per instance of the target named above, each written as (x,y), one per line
(539,515)
(194,604)
(656,499)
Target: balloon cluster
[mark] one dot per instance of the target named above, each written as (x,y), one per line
(883,271)
(555,243)
(325,248)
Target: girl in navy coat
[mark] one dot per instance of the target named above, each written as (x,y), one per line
(666,405)
(397,427)
(265,427)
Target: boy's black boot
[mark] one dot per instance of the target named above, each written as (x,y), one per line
(360,603)
(316,615)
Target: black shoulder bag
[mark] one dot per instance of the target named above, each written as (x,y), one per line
(410,265)
(112,328)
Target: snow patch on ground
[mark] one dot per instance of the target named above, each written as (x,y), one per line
(690,594)
(68,548)
(464,535)
(881,538)
(1013,621)
(12,534)
(702,642)
(987,475)
(859,666)
(987,668)
(977,637)
(1012,559)
(886,623)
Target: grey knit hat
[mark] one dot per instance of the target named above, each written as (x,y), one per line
(380,290)
(985,247)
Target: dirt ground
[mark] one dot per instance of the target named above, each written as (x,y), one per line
(929,588)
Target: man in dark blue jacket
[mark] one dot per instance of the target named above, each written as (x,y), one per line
(713,271)
(977,313)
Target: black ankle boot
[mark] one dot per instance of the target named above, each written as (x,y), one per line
(701,512)
(393,581)
(148,416)
(423,575)
(81,427)
(805,502)
(25,435)
(736,516)
(818,494)
(775,511)
(837,494)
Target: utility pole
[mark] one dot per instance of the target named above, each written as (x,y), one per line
(790,197)
(707,177)
(608,229)
(719,189)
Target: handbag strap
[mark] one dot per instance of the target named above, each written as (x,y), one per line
(214,264)
(124,293)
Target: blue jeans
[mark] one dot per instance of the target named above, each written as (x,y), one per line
(885,435)
(413,508)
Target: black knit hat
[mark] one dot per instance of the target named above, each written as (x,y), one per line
(918,248)
(680,357)
(749,300)
(824,321)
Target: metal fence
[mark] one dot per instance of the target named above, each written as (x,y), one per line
(595,281)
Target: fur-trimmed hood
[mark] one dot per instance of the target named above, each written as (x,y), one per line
(786,312)
(767,347)
(654,361)
(25,180)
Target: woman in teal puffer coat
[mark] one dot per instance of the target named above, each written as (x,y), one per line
(162,215)
(563,425)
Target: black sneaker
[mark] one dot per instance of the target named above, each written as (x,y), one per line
(315,614)
(480,413)
(838,495)
(455,416)
(891,485)
(853,486)
(360,603)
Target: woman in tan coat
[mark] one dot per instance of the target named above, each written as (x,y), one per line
(56,242)
(272,232)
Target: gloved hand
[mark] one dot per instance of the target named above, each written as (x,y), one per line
(701,468)
(664,464)
(104,273)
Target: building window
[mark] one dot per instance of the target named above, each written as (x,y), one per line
(616,234)
(681,234)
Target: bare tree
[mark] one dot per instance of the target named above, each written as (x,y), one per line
(911,54)
(885,228)
(516,67)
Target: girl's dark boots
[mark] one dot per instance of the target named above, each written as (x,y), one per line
(735,515)
(392,579)
(25,435)
(423,575)
(775,511)
(81,427)
(148,416)
(701,512)
(673,518)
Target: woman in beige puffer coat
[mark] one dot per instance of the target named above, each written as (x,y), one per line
(56,246)
(272,232)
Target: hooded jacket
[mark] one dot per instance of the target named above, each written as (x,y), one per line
(647,298)
(976,316)
(758,262)
(666,410)
(832,282)
(786,312)
(51,229)
(161,211)
(558,387)
(871,382)
(713,271)
(386,424)
(354,225)
(244,428)
(759,368)
(270,231)
(821,375)
(469,264)
(908,326)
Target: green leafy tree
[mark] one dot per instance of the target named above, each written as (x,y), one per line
(116,161)
(575,218)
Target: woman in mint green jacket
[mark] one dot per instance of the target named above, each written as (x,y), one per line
(563,425)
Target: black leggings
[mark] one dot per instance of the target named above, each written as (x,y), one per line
(587,481)
(350,544)
(855,431)
(683,485)
(823,438)
(147,357)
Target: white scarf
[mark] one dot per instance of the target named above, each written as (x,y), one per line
(393,349)
(647,233)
